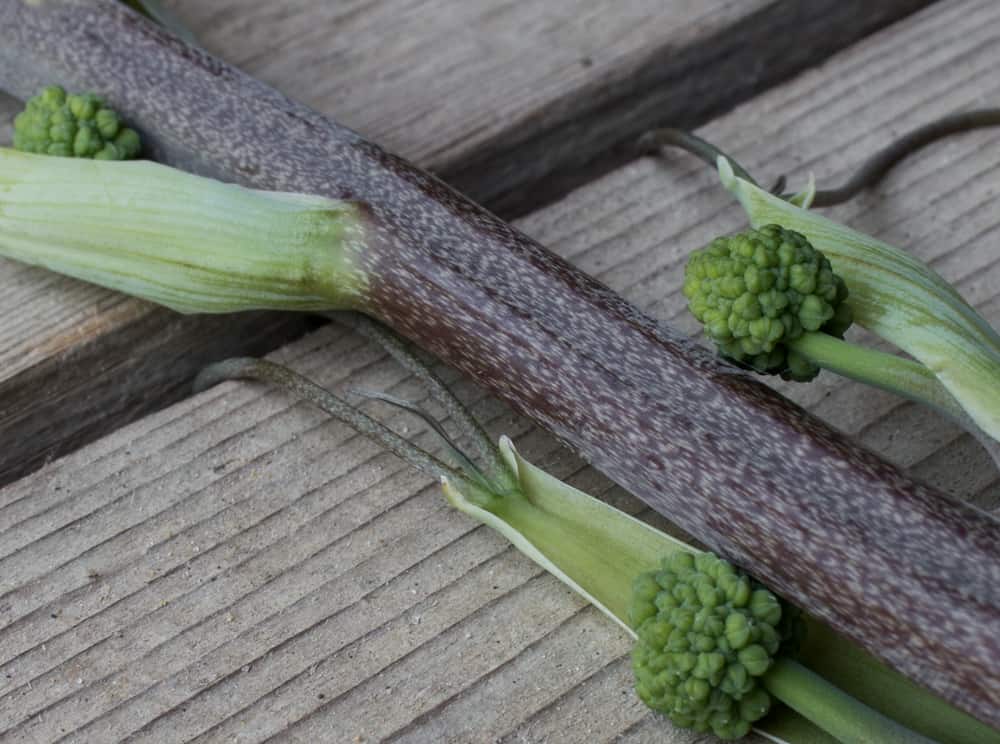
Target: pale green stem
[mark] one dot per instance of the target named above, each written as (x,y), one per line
(903,377)
(832,709)
(850,668)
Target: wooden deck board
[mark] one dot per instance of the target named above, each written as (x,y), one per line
(502,99)
(237,567)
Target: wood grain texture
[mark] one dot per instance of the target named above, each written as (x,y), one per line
(443,82)
(528,93)
(237,566)
(800,505)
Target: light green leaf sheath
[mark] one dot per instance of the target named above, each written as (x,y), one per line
(706,636)
(193,244)
(585,543)
(898,297)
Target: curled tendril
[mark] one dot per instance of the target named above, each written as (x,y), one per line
(870,172)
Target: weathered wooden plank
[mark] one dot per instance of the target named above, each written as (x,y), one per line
(453,89)
(499,98)
(238,566)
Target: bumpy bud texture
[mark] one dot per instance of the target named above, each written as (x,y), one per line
(75,126)
(757,290)
(706,634)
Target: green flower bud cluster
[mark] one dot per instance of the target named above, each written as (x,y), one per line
(706,635)
(758,290)
(75,126)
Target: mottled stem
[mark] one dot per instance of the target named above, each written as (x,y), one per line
(894,564)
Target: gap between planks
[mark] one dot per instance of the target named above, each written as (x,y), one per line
(443,83)
(345,575)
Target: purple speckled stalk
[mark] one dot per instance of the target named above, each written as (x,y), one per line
(910,574)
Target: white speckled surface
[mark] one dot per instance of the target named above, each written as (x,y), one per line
(237,568)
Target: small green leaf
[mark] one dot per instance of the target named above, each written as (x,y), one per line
(898,297)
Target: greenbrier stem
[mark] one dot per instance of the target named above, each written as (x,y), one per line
(598,551)
(832,709)
(879,164)
(653,141)
(870,172)
(898,375)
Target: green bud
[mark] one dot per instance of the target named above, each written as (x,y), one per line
(813,313)
(85,106)
(108,152)
(79,124)
(697,689)
(52,97)
(765,607)
(737,630)
(755,658)
(677,642)
(757,291)
(709,596)
(703,643)
(799,368)
(681,618)
(680,563)
(665,602)
(737,681)
(87,142)
(768,637)
(62,133)
(802,278)
(715,626)
(754,705)
(707,654)
(128,143)
(747,307)
(656,632)
(684,662)
(709,665)
(732,287)
(107,123)
(645,588)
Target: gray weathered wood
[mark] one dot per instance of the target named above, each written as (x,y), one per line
(527,93)
(501,99)
(238,566)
